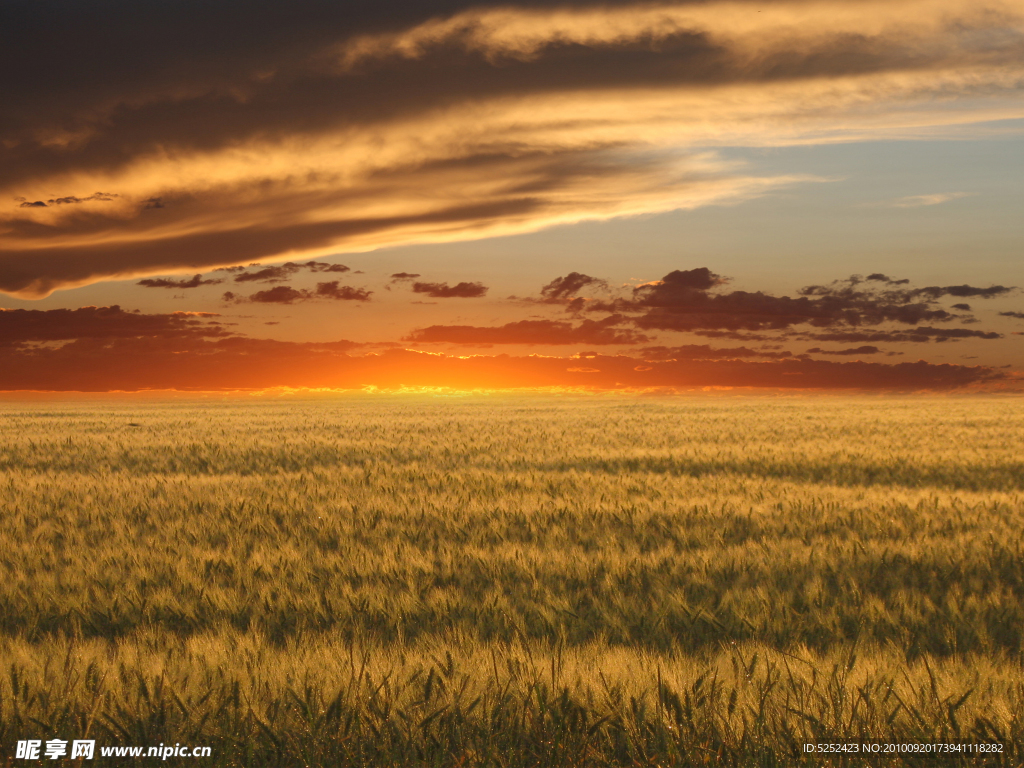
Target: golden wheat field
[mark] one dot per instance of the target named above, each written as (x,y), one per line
(513,581)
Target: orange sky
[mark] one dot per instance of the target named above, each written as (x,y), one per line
(613,195)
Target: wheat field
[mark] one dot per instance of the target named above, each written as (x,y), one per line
(513,581)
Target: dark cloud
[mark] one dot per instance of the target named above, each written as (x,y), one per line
(880,278)
(281,294)
(856,310)
(444,291)
(268,274)
(907,298)
(332,290)
(195,282)
(568,286)
(168,362)
(285,294)
(864,350)
(18,326)
(404,276)
(844,288)
(319,266)
(242,363)
(290,48)
(963,291)
(284,271)
(286,104)
(532,332)
(707,352)
(700,279)
(913,335)
(682,308)
(741,335)
(108,348)
(105,197)
(693,300)
(1018,315)
(38,271)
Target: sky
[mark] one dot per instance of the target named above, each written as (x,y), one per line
(626,196)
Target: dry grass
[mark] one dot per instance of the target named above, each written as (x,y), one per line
(517,582)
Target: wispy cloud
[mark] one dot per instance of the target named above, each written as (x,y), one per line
(196,281)
(285,294)
(405,122)
(532,332)
(920,201)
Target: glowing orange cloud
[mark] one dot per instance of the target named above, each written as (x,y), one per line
(131,364)
(483,121)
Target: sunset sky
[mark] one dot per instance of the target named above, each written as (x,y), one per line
(608,195)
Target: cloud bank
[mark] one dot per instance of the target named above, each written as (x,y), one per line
(532,332)
(225,133)
(445,291)
(285,294)
(99,348)
(196,281)
(695,300)
(108,348)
